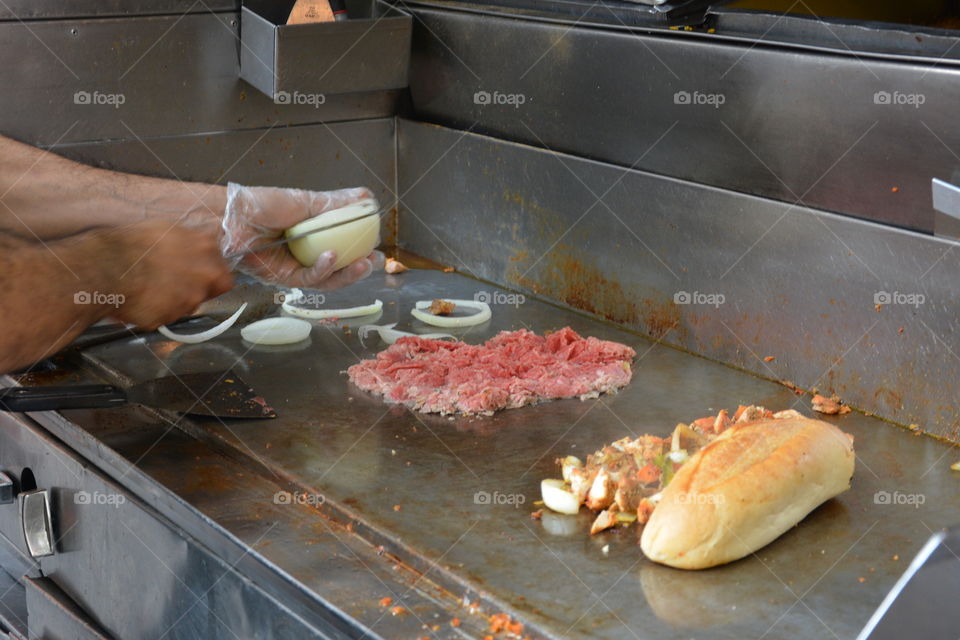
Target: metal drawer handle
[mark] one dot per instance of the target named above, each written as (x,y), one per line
(36,522)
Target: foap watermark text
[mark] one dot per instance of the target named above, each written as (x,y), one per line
(98,98)
(496,98)
(98,297)
(714,100)
(897,98)
(303,299)
(897,297)
(899,499)
(497,498)
(498,297)
(701,498)
(313,99)
(699,298)
(298,497)
(99,498)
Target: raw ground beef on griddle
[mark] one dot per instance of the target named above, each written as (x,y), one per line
(512,369)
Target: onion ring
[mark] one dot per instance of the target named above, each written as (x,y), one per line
(322,314)
(390,335)
(483,314)
(203,336)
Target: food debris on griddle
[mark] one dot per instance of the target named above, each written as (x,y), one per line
(829,406)
(503,622)
(394,266)
(606,520)
(267,409)
(442,307)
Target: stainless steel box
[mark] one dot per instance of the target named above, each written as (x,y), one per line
(301,63)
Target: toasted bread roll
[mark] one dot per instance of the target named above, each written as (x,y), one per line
(745,489)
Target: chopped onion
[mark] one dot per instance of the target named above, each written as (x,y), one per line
(569,464)
(678,457)
(321,314)
(684,438)
(203,336)
(483,314)
(558,497)
(276,331)
(390,335)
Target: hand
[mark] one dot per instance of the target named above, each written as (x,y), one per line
(258,215)
(164,272)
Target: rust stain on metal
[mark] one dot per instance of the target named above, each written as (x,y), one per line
(391,227)
(414,261)
(660,316)
(547,223)
(581,285)
(890,397)
(209,478)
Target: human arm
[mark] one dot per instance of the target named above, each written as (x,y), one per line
(146,274)
(44,196)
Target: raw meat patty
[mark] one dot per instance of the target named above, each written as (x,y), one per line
(512,369)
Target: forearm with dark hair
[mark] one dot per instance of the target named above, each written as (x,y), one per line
(45,196)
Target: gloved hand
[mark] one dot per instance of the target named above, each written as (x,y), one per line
(258,215)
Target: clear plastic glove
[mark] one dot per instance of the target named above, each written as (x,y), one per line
(259,215)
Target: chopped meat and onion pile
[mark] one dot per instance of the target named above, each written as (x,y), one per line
(512,369)
(623,480)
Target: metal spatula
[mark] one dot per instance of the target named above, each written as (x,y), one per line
(221,394)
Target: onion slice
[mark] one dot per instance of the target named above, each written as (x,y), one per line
(275,331)
(322,314)
(569,464)
(203,336)
(558,497)
(390,335)
(483,314)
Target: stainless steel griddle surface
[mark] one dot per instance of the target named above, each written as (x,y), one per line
(459,491)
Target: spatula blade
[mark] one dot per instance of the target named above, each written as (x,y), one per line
(220,394)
